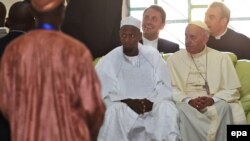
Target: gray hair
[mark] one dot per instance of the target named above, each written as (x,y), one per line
(225,11)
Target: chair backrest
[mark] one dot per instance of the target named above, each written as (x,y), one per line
(243,70)
(96,60)
(166,55)
(232,56)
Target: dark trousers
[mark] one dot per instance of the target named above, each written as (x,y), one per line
(4,129)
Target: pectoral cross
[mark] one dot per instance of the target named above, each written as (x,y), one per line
(206,87)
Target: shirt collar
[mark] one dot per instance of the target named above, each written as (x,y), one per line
(219,36)
(132,60)
(147,42)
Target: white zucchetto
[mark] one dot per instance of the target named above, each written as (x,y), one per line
(200,24)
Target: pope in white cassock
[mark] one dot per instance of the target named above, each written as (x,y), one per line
(137,91)
(205,88)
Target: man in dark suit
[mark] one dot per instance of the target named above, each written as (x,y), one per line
(19,21)
(154,20)
(222,38)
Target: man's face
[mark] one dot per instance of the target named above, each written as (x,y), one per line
(195,39)
(130,36)
(214,21)
(152,22)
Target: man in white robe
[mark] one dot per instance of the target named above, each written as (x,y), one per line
(137,91)
(205,88)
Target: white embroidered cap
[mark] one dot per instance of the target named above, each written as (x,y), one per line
(200,24)
(131,21)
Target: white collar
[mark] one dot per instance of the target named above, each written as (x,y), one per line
(219,36)
(153,43)
(132,60)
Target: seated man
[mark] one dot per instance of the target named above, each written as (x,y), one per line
(205,88)
(154,20)
(137,91)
